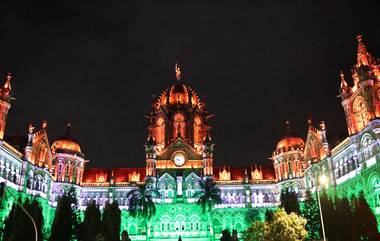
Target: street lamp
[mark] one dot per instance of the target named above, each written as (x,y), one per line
(323,180)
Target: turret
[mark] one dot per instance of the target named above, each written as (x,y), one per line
(5,103)
(150,155)
(208,156)
(68,159)
(361,102)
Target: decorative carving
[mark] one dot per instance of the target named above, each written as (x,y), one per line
(225,175)
(134,176)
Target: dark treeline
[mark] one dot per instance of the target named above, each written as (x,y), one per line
(19,227)
(345,219)
(95,226)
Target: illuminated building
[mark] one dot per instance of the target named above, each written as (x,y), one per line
(353,165)
(179,152)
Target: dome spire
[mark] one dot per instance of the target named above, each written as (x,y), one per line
(177,71)
(287,127)
(68,126)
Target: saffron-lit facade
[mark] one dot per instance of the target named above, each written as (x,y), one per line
(179,152)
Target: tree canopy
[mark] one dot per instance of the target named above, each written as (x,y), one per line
(284,227)
(141,200)
(65,223)
(289,201)
(209,194)
(19,227)
(111,221)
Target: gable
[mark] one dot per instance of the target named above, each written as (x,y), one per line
(179,145)
(313,145)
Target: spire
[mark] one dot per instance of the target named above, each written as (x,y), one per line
(364,58)
(7,84)
(44,124)
(68,126)
(177,71)
(343,83)
(309,121)
(287,127)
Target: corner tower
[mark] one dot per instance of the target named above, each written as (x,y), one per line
(5,103)
(68,159)
(288,160)
(361,101)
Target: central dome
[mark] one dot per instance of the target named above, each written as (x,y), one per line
(178,94)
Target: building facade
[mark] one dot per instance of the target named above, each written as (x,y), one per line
(179,152)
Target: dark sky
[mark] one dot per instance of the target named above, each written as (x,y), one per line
(98,63)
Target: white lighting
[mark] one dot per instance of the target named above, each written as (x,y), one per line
(323,180)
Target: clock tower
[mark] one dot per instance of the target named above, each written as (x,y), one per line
(179,141)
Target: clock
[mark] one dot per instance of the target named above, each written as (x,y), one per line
(179,159)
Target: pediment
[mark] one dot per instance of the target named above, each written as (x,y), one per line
(179,145)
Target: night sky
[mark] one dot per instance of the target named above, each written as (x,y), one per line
(98,63)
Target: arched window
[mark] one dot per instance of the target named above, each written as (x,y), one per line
(160,131)
(179,126)
(366,146)
(198,130)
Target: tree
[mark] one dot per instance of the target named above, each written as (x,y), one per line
(10,225)
(141,200)
(125,236)
(65,223)
(19,227)
(35,211)
(344,221)
(286,227)
(329,216)
(255,232)
(209,194)
(310,212)
(269,215)
(111,221)
(254,214)
(92,222)
(226,236)
(365,220)
(289,201)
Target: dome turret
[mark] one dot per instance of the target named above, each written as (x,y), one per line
(289,141)
(66,144)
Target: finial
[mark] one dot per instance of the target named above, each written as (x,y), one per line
(287,127)
(30,128)
(355,76)
(177,71)
(7,84)
(322,125)
(44,124)
(309,121)
(359,38)
(343,83)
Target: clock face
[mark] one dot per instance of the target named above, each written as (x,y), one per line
(179,159)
